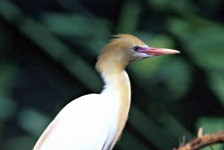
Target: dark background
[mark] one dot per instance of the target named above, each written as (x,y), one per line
(48,49)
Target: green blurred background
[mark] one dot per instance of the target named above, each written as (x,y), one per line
(48,49)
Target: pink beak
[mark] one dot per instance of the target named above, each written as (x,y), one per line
(158,51)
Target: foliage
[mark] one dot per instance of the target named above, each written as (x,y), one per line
(48,49)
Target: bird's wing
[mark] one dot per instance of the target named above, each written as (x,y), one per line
(84,124)
(45,134)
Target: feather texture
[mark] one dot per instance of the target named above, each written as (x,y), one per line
(95,121)
(91,122)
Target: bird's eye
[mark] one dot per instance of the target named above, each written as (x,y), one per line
(136,48)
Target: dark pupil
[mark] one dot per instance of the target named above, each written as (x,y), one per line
(136,48)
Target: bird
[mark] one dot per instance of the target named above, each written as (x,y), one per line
(96,121)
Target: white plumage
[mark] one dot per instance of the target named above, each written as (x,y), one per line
(95,121)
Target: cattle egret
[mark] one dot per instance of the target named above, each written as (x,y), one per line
(95,121)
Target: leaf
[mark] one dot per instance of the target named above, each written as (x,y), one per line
(90,32)
(151,131)
(143,69)
(176,77)
(33,121)
(61,53)
(172,6)
(9,10)
(202,40)
(7,108)
(15,143)
(130,142)
(7,74)
(207,48)
(129,17)
(173,74)
(216,82)
(75,25)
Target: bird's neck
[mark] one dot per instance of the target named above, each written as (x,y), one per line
(117,86)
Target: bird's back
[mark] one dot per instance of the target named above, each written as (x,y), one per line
(88,118)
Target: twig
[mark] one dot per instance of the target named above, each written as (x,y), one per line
(203,140)
(200,132)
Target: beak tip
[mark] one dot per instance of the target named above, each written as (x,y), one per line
(171,51)
(177,52)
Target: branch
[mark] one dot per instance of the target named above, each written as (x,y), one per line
(202,141)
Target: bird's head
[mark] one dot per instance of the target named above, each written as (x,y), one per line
(124,49)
